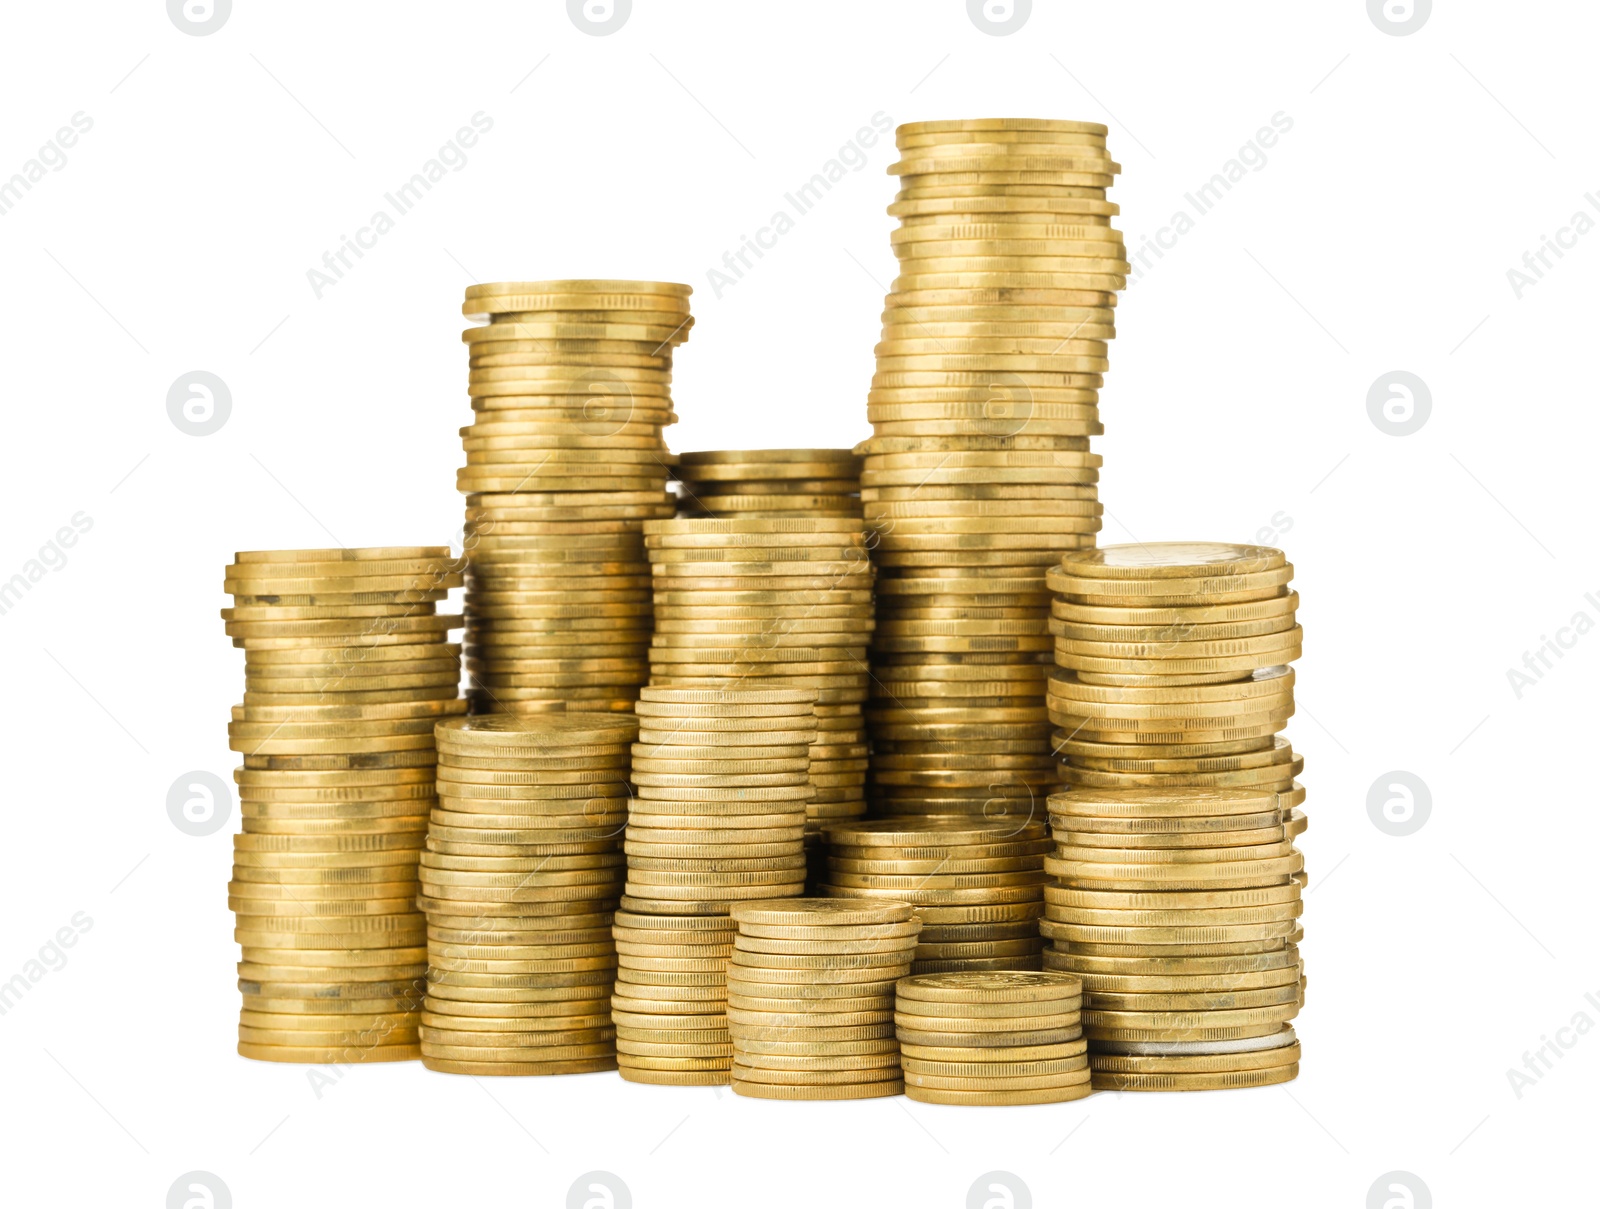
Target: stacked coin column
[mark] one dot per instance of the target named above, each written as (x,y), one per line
(571,388)
(772,602)
(811,997)
(1178,908)
(977,885)
(523,871)
(347,668)
(979,472)
(992,1038)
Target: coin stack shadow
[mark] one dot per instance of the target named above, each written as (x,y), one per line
(811,997)
(770,482)
(523,871)
(976,1038)
(773,602)
(1178,908)
(977,885)
(347,667)
(571,388)
(979,472)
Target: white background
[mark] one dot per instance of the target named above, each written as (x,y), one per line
(1378,236)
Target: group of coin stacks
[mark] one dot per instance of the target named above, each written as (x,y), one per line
(982,1038)
(979,472)
(770,482)
(722,784)
(571,388)
(773,602)
(347,668)
(522,874)
(811,996)
(1179,910)
(1174,666)
(977,884)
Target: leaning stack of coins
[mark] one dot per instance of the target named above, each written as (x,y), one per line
(1179,909)
(977,1038)
(670,1007)
(978,886)
(571,388)
(770,482)
(979,472)
(772,602)
(347,667)
(811,997)
(523,871)
(1174,666)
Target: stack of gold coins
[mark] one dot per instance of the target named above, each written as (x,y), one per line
(523,871)
(571,388)
(772,602)
(1179,909)
(1174,666)
(811,997)
(670,1007)
(978,886)
(1009,1038)
(770,482)
(347,667)
(979,472)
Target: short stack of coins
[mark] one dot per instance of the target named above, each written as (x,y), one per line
(977,885)
(523,871)
(347,667)
(772,602)
(1174,666)
(670,1006)
(1179,910)
(770,482)
(1003,1038)
(979,471)
(811,997)
(571,388)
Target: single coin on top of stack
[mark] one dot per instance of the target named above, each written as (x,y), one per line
(811,997)
(523,871)
(1179,909)
(770,482)
(992,1038)
(977,885)
(571,388)
(347,667)
(1174,666)
(723,786)
(979,471)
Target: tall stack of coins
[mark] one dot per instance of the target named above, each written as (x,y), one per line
(772,602)
(992,1038)
(347,667)
(811,997)
(1174,666)
(571,388)
(523,871)
(979,472)
(770,482)
(1179,908)
(978,886)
